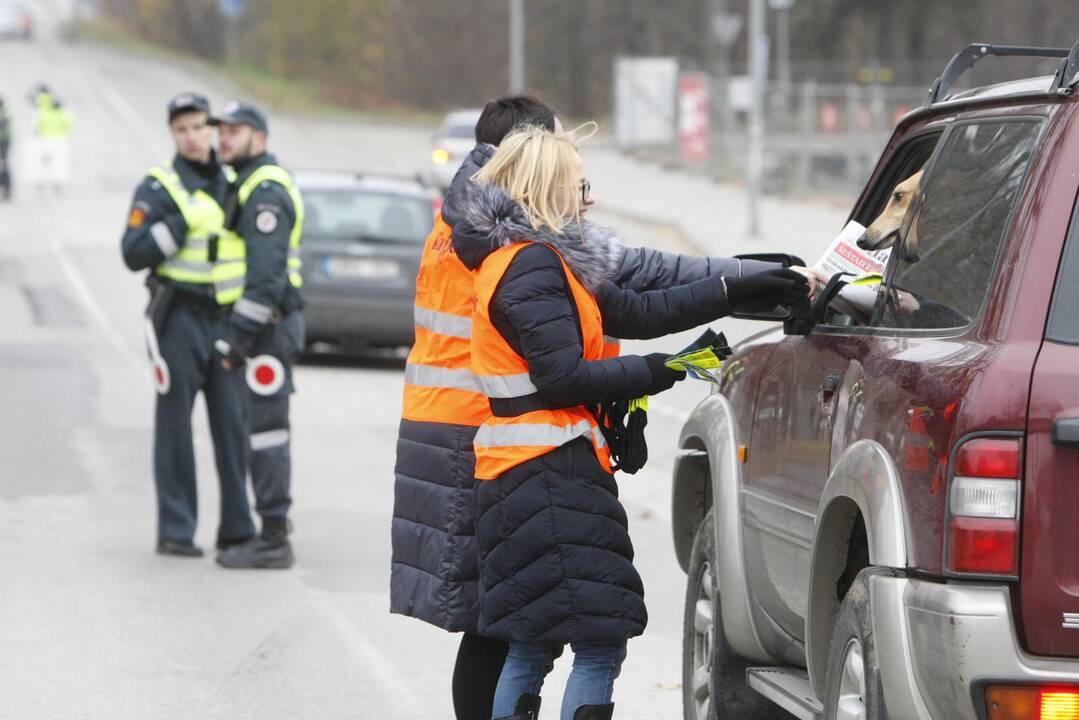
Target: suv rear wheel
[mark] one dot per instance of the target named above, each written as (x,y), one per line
(854,689)
(714,683)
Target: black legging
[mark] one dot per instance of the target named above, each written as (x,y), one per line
(475,676)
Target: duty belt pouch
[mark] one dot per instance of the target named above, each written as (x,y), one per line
(161,298)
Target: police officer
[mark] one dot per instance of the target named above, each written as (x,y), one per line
(176,228)
(5,145)
(265,331)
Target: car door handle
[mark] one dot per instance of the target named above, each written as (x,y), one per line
(827,388)
(1065,433)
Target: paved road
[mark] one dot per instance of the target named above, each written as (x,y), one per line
(92,623)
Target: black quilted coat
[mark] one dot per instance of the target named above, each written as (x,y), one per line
(556,561)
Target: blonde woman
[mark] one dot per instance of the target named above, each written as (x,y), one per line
(556,561)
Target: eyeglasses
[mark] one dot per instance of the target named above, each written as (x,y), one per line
(586,190)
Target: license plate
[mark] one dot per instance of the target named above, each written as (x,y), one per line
(361,268)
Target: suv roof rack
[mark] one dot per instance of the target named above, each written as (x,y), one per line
(1064,80)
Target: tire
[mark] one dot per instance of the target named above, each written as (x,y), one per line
(714,683)
(854,687)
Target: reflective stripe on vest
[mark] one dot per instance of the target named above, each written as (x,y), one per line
(277,174)
(205,223)
(504,442)
(439,387)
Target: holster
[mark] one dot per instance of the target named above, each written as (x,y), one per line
(162,296)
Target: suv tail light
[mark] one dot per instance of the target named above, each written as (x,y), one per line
(1030,702)
(983,507)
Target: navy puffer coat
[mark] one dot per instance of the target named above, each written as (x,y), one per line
(435,569)
(556,561)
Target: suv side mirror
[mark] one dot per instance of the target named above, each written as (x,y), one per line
(797,320)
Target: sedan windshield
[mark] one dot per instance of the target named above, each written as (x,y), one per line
(351,214)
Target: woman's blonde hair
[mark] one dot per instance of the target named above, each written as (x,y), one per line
(540,170)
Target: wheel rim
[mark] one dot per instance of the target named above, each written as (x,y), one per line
(704,637)
(850,702)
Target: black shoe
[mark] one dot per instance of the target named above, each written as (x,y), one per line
(527,708)
(594,712)
(225,544)
(179,548)
(270,550)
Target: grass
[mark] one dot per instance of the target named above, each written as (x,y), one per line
(283,94)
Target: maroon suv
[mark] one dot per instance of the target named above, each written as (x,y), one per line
(877,517)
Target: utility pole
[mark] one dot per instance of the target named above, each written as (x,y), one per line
(758,48)
(783,56)
(517,46)
(726,27)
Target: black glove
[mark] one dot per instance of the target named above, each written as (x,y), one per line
(663,377)
(233,351)
(780,287)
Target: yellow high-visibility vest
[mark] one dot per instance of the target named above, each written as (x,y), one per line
(194,263)
(277,174)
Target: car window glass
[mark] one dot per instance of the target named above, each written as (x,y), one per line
(939,277)
(354,215)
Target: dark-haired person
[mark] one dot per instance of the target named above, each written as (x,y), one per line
(434,575)
(265,330)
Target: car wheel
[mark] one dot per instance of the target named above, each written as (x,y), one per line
(854,690)
(714,683)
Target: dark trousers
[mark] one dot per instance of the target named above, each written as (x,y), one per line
(187,346)
(268,414)
(475,676)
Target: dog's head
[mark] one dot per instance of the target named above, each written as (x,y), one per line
(884,230)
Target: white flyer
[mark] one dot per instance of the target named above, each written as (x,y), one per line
(844,255)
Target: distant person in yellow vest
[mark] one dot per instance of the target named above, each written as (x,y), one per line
(176,230)
(52,127)
(265,331)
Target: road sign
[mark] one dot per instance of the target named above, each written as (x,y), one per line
(231,8)
(726,26)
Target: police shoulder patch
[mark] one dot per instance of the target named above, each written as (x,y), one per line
(266,221)
(136,218)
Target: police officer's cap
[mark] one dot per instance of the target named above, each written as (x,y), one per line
(188,102)
(238,113)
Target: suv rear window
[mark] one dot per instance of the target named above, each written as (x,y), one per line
(940,277)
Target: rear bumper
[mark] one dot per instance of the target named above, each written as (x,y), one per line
(379,322)
(940,644)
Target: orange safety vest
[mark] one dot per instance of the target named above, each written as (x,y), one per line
(438,377)
(505,442)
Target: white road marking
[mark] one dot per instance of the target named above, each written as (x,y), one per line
(82,290)
(389,680)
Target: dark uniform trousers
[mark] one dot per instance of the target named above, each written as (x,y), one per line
(187,346)
(271,457)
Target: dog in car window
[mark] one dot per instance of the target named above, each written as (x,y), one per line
(882,234)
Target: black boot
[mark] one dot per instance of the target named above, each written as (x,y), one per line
(528,707)
(594,712)
(270,549)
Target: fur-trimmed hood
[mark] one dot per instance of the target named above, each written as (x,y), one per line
(490,219)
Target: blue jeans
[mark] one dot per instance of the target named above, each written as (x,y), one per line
(591,682)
